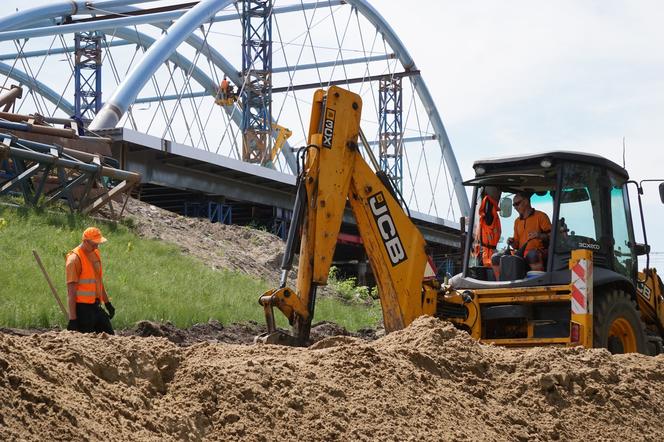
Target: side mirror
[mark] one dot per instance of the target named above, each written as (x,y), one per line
(505,207)
(462,224)
(642,249)
(661,192)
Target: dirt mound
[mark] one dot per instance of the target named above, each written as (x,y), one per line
(428,382)
(214,332)
(232,247)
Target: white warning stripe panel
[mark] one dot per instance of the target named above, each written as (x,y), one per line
(580,304)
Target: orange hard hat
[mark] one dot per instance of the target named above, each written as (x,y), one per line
(93,234)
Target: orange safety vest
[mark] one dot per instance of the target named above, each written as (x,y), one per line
(88,288)
(489,233)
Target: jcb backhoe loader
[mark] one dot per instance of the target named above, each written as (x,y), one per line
(590,293)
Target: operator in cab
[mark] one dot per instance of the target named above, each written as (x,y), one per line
(532,230)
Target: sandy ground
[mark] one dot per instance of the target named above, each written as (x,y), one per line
(428,382)
(155,382)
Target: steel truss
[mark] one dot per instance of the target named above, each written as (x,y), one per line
(45,173)
(426,164)
(257,75)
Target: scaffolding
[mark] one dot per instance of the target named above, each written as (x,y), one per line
(257,75)
(87,75)
(390,119)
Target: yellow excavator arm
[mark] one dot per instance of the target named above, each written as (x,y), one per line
(283,134)
(334,174)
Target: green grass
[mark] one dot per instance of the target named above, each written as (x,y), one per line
(146,279)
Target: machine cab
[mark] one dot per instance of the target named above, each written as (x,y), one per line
(583,196)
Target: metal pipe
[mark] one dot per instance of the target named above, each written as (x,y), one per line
(54,51)
(43,18)
(326,64)
(297,87)
(11,95)
(16,118)
(63,8)
(47,130)
(45,158)
(20,118)
(171,97)
(52,159)
(127,92)
(47,148)
(405,140)
(102,25)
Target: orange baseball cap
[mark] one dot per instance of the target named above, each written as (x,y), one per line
(93,234)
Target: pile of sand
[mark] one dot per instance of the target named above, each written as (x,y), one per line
(428,382)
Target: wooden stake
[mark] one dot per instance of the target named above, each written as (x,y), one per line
(50,284)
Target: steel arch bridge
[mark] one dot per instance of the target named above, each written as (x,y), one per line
(157,66)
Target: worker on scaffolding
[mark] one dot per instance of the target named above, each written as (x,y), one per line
(225,95)
(224,88)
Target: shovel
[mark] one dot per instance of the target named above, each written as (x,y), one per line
(50,284)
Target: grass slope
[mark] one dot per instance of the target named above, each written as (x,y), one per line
(146,279)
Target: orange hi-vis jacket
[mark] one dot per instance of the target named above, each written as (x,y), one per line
(88,288)
(535,222)
(489,231)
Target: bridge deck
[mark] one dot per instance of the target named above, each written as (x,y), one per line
(173,173)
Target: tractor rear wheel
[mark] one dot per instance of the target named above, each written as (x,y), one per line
(617,324)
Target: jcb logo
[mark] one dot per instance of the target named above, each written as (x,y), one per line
(328,127)
(387,229)
(643,290)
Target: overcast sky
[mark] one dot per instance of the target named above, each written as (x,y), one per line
(518,76)
(512,77)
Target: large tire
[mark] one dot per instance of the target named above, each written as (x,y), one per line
(617,324)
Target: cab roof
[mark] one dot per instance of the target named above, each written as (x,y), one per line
(528,162)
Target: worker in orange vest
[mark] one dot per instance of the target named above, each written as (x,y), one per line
(489,228)
(85,288)
(532,230)
(224,88)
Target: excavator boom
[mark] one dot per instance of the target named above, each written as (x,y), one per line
(333,175)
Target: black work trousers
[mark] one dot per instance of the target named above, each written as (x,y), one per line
(92,319)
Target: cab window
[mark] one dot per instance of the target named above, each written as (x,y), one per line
(542,201)
(579,221)
(623,260)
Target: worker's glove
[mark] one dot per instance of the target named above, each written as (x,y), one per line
(72,325)
(110,309)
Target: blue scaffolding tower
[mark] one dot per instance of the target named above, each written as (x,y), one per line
(391,129)
(87,75)
(257,75)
